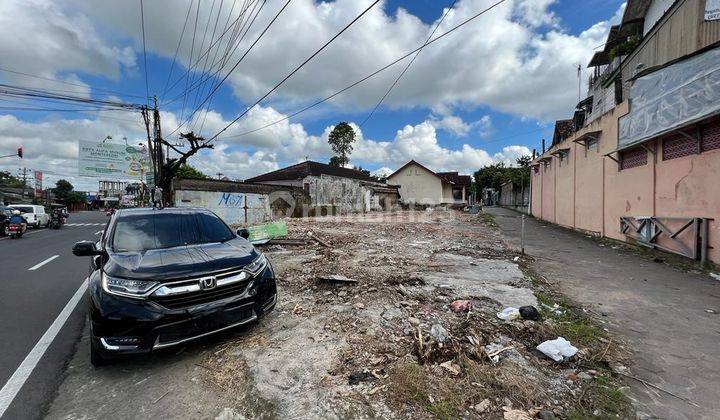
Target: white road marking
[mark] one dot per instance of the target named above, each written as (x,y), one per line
(10,390)
(40,264)
(98,232)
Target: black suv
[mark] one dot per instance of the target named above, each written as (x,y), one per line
(161,277)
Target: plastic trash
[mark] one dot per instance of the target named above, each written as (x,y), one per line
(439,333)
(558,349)
(509,314)
(529,313)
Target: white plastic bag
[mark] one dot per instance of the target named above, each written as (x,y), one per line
(509,314)
(558,349)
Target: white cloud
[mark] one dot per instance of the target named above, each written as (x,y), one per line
(516,58)
(456,126)
(41,37)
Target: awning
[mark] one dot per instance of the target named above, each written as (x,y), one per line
(671,98)
(560,152)
(590,135)
(599,59)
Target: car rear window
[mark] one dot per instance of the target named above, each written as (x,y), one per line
(23,209)
(133,233)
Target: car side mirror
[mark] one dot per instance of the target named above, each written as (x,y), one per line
(85,249)
(244,233)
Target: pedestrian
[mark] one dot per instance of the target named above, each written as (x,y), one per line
(157,197)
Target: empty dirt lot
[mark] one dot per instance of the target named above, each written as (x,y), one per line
(364,329)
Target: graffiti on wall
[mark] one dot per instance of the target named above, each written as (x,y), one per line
(234,208)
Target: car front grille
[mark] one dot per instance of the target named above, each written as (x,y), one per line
(198,297)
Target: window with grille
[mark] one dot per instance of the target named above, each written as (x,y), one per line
(591,144)
(563,158)
(633,158)
(676,146)
(711,136)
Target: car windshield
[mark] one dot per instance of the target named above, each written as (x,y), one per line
(23,209)
(142,232)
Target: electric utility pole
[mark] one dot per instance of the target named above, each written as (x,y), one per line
(23,173)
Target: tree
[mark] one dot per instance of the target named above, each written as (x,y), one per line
(341,141)
(335,161)
(172,166)
(8,180)
(63,190)
(66,194)
(524,161)
(188,171)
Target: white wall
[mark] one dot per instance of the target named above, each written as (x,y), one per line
(347,195)
(229,206)
(655,12)
(417,185)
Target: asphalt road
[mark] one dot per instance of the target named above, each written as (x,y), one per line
(38,277)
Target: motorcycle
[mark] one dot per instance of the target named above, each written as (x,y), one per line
(16,230)
(56,221)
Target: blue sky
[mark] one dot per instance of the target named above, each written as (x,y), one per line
(497,83)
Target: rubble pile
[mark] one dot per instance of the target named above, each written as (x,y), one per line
(396,315)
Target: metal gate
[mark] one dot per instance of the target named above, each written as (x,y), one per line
(687,236)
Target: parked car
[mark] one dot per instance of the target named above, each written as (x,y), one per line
(34,214)
(5,213)
(162,277)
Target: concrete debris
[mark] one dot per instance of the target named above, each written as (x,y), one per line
(483,406)
(451,367)
(514,414)
(546,415)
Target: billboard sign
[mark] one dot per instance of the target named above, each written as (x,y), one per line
(712,10)
(38,184)
(110,160)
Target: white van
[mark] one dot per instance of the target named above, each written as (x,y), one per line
(35,215)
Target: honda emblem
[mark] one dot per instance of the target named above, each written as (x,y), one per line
(207,283)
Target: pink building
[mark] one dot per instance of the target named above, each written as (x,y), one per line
(640,159)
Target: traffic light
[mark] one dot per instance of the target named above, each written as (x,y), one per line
(19,153)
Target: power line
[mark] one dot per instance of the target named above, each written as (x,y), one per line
(296,69)
(224,59)
(192,65)
(192,48)
(222,62)
(352,85)
(69,83)
(182,34)
(217,86)
(15,91)
(142,22)
(402,73)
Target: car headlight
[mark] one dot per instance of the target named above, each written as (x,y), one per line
(257,265)
(126,287)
